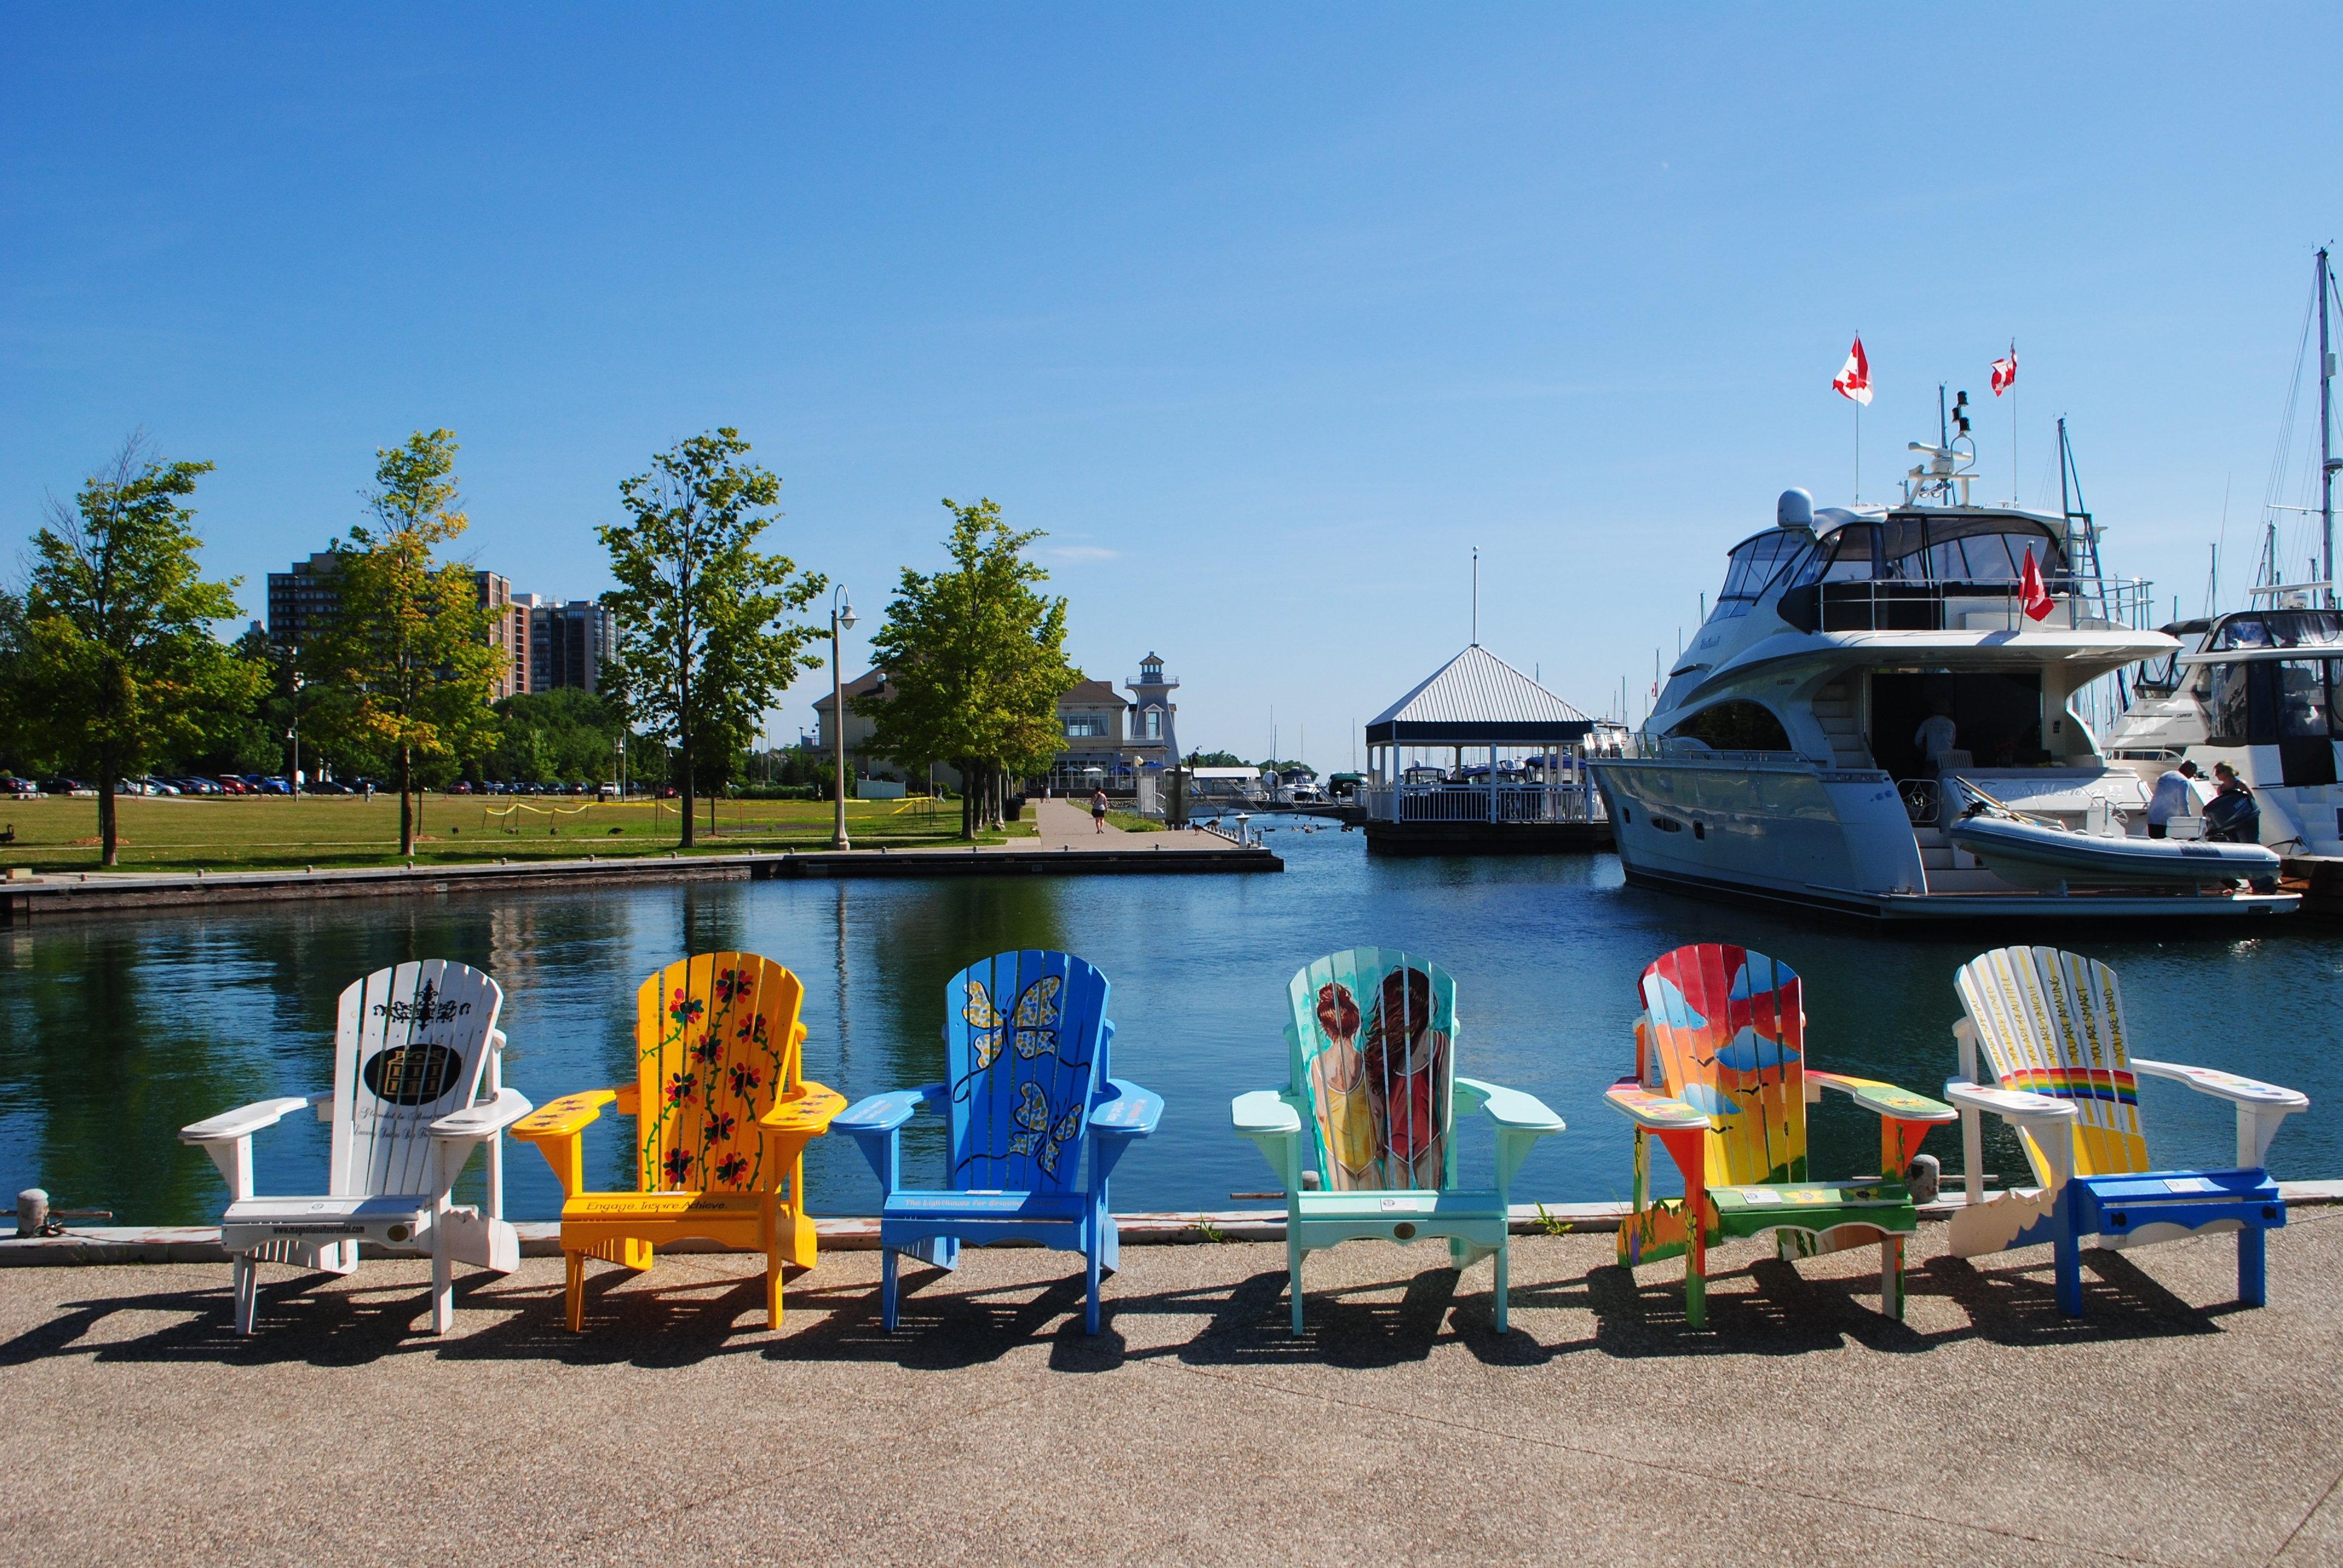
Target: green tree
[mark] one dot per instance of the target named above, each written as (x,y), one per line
(406,660)
(116,660)
(701,635)
(975,658)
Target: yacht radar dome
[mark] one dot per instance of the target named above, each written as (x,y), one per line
(1796,510)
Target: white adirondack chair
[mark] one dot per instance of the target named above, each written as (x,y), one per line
(412,1046)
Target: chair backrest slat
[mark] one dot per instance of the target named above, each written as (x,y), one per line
(410,1044)
(2051,1022)
(1724,1030)
(1025,1045)
(1372,1035)
(715,1042)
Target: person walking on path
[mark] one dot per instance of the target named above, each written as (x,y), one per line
(1098,810)
(2175,795)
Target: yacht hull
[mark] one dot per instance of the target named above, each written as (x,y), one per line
(1837,842)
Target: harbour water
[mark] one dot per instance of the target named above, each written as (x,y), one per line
(120,1032)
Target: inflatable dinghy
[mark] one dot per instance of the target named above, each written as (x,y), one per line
(2033,855)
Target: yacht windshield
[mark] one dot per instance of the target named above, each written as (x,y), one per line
(1756,563)
(1919,549)
(2280,628)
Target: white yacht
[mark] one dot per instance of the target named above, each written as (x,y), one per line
(2254,688)
(1784,760)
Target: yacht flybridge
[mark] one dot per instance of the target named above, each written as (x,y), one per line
(1870,678)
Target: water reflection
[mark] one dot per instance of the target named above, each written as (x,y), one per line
(121,1032)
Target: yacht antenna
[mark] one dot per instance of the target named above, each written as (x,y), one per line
(1944,431)
(1476,595)
(2327,463)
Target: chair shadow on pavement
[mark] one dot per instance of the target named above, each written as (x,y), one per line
(681,1317)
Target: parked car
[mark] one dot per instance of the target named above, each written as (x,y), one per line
(461,785)
(275,786)
(230,784)
(610,792)
(62,786)
(23,789)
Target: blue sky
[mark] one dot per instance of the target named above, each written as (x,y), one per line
(1267,319)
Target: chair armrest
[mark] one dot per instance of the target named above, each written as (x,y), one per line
(2032,1112)
(811,1111)
(483,1120)
(1879,1099)
(2262,1107)
(246,1120)
(1510,1109)
(1265,1113)
(566,1117)
(1654,1112)
(876,1114)
(2225,1085)
(1125,1110)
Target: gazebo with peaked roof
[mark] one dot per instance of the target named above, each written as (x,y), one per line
(1529,792)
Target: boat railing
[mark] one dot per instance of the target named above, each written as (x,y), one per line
(2078,604)
(1452,802)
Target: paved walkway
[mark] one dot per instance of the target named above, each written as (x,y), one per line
(2168,1427)
(1061,824)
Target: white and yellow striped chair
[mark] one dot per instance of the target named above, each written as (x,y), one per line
(2058,1067)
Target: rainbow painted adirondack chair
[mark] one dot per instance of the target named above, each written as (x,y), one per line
(2058,1068)
(1028,1051)
(722,1116)
(1363,1134)
(412,1046)
(1721,1080)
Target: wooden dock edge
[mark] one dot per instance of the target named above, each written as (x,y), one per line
(101,1244)
(65,896)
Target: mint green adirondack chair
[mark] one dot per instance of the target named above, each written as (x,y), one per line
(1364,1135)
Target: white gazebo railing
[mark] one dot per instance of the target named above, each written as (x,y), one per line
(1465,801)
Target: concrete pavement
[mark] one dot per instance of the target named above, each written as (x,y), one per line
(2169,1426)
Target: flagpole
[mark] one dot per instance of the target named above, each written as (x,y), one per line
(1858,448)
(2016,496)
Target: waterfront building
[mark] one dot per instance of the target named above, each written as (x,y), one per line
(508,630)
(1110,740)
(570,643)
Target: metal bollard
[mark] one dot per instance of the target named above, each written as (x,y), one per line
(32,1213)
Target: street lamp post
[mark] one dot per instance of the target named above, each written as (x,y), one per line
(841,615)
(294,734)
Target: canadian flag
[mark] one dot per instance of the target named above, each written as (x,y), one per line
(2005,371)
(2032,597)
(1853,379)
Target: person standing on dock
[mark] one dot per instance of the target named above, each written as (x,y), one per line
(1098,810)
(2175,795)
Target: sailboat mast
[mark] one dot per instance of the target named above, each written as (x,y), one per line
(2326,435)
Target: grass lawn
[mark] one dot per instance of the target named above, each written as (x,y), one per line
(246,833)
(1132,822)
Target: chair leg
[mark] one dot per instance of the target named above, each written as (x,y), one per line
(243,1290)
(574,1297)
(2253,1251)
(1091,1310)
(1293,1275)
(887,1264)
(1504,1256)
(1891,1277)
(442,1283)
(773,1287)
(2067,1271)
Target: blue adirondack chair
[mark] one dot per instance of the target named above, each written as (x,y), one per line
(1027,1045)
(1364,1135)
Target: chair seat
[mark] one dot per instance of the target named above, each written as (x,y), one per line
(663,1207)
(322,1214)
(1066,1207)
(2158,1204)
(1467,1204)
(1817,1206)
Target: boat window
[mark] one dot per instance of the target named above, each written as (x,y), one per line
(2302,699)
(1754,564)
(1900,554)
(1734,726)
(1850,554)
(2158,677)
(2281,628)
(1990,549)
(2228,707)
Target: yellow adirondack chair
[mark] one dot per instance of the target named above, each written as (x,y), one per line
(723,1117)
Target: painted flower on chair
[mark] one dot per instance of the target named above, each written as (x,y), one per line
(729,983)
(684,1008)
(721,1124)
(709,1049)
(730,1169)
(746,1079)
(676,1167)
(679,1086)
